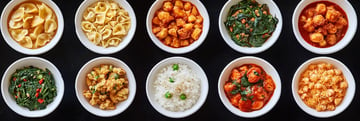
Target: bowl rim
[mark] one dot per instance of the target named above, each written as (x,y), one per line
(350,32)
(182,50)
(14,45)
(99,49)
(271,103)
(346,100)
(93,109)
(204,88)
(253,50)
(57,99)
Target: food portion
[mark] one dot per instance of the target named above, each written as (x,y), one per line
(177,23)
(250,24)
(249,87)
(322,87)
(32,87)
(107,86)
(323,24)
(32,24)
(177,88)
(105,23)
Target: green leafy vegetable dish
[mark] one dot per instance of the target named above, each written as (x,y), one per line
(250,24)
(32,87)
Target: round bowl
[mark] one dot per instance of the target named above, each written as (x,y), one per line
(274,10)
(80,86)
(98,49)
(352,22)
(206,25)
(13,44)
(150,90)
(39,63)
(268,68)
(349,93)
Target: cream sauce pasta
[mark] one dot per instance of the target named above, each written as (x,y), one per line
(105,23)
(32,24)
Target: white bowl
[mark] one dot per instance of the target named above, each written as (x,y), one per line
(206,25)
(352,26)
(274,10)
(150,89)
(13,44)
(80,86)
(39,63)
(268,68)
(98,49)
(349,93)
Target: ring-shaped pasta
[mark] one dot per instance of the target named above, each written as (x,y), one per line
(95,37)
(119,30)
(101,7)
(114,41)
(106,33)
(89,16)
(87,26)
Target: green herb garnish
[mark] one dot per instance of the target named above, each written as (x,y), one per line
(175,67)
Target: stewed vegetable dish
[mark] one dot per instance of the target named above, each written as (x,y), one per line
(32,87)
(249,87)
(323,24)
(250,24)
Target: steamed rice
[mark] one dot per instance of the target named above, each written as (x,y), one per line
(185,82)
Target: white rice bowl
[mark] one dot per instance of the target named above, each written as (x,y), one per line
(185,82)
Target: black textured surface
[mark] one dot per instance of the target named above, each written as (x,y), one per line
(286,55)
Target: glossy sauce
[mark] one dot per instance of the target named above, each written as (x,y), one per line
(249,87)
(31,30)
(305,34)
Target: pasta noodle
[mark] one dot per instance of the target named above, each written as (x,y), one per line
(29,8)
(32,24)
(105,23)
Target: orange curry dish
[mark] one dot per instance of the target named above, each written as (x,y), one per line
(249,87)
(177,23)
(323,24)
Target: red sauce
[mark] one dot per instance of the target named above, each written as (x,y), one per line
(249,87)
(305,34)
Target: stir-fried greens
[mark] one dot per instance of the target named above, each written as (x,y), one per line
(32,87)
(250,23)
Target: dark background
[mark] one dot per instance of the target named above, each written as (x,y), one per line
(286,55)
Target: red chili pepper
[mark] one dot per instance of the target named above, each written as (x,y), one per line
(24,80)
(19,85)
(14,79)
(40,100)
(37,94)
(41,81)
(38,89)
(49,73)
(16,96)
